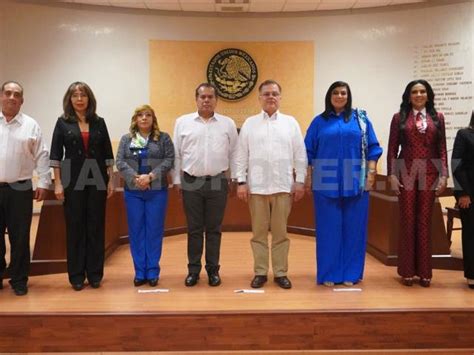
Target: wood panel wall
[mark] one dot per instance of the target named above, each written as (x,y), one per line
(50,249)
(336,330)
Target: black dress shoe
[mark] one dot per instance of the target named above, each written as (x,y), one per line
(78,287)
(20,290)
(153,282)
(95,284)
(258,281)
(283,282)
(191,279)
(214,279)
(139,282)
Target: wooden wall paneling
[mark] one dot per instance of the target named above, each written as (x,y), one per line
(382,235)
(384,229)
(324,330)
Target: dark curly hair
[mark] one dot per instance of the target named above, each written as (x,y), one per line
(406,106)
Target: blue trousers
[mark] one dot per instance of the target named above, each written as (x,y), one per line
(146,212)
(341,237)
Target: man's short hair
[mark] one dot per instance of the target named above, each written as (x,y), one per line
(206,85)
(269,82)
(12,82)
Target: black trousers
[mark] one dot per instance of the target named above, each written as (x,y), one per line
(467,220)
(16,210)
(204,200)
(84,211)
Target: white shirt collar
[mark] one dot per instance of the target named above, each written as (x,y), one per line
(423,112)
(272,117)
(18,118)
(197,117)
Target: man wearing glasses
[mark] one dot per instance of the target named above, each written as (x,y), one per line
(270,150)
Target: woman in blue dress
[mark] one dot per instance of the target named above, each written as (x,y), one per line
(342,151)
(144,158)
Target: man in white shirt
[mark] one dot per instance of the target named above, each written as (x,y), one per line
(270,150)
(205,145)
(22,150)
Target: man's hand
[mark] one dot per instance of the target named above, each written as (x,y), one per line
(464,201)
(243,192)
(40,194)
(297,191)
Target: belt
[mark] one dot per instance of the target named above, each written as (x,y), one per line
(205,177)
(7,184)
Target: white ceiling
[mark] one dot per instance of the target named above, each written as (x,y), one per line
(245,5)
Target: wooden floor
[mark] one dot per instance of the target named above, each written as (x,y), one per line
(378,313)
(380,288)
(293,352)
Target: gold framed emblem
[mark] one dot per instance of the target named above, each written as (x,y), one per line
(233,72)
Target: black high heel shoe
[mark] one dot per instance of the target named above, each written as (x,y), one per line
(153,282)
(139,282)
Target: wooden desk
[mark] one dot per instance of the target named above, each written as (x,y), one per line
(49,254)
(384,228)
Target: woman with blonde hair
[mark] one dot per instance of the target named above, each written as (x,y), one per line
(144,158)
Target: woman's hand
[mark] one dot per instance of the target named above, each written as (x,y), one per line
(370,181)
(59,191)
(395,184)
(464,201)
(110,188)
(442,183)
(142,181)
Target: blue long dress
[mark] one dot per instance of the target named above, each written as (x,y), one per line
(334,149)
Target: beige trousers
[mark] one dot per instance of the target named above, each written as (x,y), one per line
(270,211)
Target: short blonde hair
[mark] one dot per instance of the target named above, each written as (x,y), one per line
(155,130)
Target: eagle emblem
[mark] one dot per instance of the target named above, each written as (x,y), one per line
(233,72)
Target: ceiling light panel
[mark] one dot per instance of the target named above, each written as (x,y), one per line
(371,3)
(94,2)
(197,5)
(267,6)
(402,2)
(128,3)
(301,5)
(336,4)
(168,5)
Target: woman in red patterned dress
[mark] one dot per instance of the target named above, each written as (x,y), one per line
(417,171)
